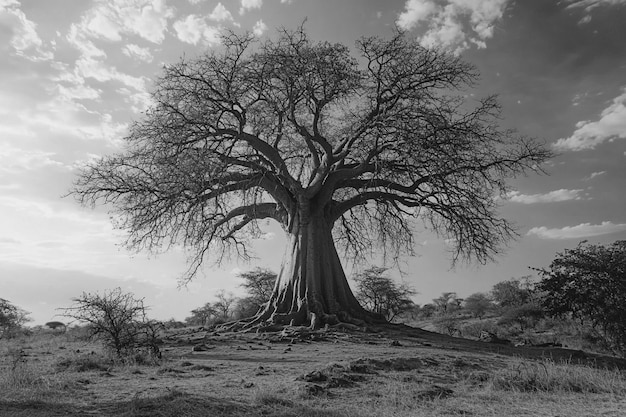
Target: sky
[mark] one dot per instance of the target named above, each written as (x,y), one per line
(74,74)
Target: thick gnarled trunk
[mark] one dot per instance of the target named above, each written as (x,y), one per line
(311,288)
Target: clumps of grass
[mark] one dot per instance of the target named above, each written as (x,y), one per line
(270,399)
(143,357)
(84,363)
(21,374)
(548,376)
(178,403)
(22,379)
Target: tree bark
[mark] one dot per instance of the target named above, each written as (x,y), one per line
(311,287)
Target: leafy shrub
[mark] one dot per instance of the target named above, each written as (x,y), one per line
(12,318)
(526,315)
(478,304)
(589,282)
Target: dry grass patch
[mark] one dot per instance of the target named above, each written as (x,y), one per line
(548,376)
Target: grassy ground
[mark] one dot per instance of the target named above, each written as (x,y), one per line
(400,372)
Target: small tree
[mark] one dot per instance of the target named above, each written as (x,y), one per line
(380,295)
(477,304)
(512,293)
(428,310)
(117,318)
(259,284)
(224,305)
(12,318)
(202,315)
(525,315)
(447,303)
(589,282)
(56,325)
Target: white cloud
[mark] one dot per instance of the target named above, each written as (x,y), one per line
(592,4)
(286,1)
(551,197)
(103,23)
(220,13)
(92,68)
(78,38)
(135,51)
(416,11)
(456,24)
(589,134)
(15,160)
(595,174)
(194,29)
(249,5)
(577,232)
(107,130)
(91,65)
(77,92)
(138,101)
(589,5)
(112,19)
(259,28)
(7,3)
(25,40)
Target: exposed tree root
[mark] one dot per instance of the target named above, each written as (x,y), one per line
(288,325)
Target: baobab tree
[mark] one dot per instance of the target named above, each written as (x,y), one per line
(346,153)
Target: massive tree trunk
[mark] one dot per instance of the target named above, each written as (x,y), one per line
(312,288)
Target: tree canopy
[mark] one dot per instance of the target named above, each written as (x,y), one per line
(12,318)
(343,151)
(589,282)
(381,295)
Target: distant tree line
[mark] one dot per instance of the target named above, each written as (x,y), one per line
(584,287)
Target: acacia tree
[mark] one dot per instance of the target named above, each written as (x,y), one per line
(12,318)
(379,294)
(343,152)
(259,284)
